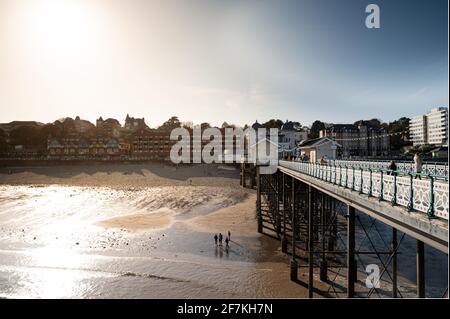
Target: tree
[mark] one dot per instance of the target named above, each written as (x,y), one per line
(66,126)
(421,149)
(204,126)
(3,143)
(226,125)
(401,127)
(372,122)
(171,124)
(26,135)
(273,124)
(316,127)
(50,130)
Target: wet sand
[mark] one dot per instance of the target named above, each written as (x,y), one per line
(154,220)
(135,231)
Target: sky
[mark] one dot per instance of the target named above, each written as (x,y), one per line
(221,60)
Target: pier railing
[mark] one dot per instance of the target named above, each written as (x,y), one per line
(439,170)
(428,195)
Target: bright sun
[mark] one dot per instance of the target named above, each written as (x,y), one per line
(61,27)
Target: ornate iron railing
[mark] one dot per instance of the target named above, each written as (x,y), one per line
(428,195)
(440,170)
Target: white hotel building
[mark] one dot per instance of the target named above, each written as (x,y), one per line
(431,128)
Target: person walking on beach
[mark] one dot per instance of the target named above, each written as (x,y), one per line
(227,242)
(229,235)
(418,165)
(215,238)
(220,239)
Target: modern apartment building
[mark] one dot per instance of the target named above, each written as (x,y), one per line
(430,128)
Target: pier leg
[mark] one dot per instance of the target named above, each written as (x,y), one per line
(310,242)
(323,262)
(294,265)
(278,195)
(258,201)
(394,262)
(333,227)
(351,269)
(284,241)
(420,269)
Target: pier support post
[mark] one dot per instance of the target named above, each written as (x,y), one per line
(284,241)
(420,269)
(294,265)
(279,199)
(255,174)
(351,269)
(310,242)
(258,201)
(323,262)
(394,262)
(333,226)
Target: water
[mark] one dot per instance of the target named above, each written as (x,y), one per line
(51,246)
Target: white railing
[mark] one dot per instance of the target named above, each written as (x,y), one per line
(440,170)
(424,195)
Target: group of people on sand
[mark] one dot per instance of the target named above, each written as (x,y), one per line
(219,238)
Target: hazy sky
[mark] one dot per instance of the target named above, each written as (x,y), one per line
(221,60)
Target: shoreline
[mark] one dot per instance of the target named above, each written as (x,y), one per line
(87,211)
(122,175)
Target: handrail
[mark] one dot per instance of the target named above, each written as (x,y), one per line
(428,195)
(438,171)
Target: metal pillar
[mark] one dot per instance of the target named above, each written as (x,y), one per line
(420,269)
(323,220)
(278,194)
(310,242)
(294,265)
(394,262)
(258,201)
(351,269)
(284,242)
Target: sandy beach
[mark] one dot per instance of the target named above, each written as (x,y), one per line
(135,231)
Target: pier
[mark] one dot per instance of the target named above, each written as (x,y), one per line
(328,219)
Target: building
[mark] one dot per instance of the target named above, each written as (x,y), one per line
(82,148)
(320,147)
(290,136)
(418,130)
(108,128)
(359,140)
(133,124)
(151,144)
(430,128)
(437,126)
(82,126)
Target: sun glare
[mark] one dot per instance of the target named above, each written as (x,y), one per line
(61,27)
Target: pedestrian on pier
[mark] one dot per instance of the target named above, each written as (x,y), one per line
(392,168)
(418,165)
(220,239)
(215,238)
